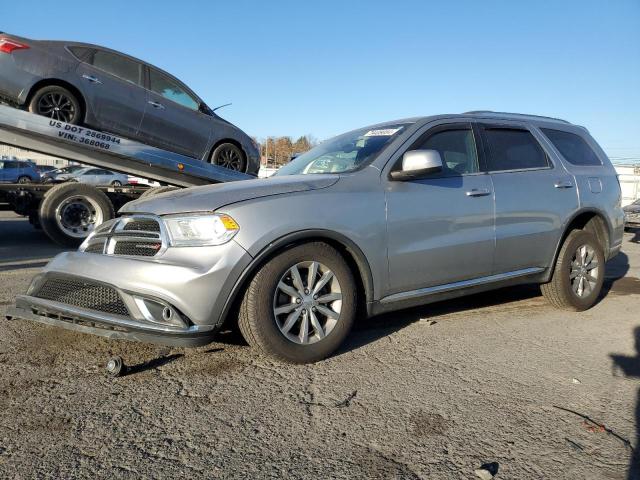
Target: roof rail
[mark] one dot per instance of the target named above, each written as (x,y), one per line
(491,112)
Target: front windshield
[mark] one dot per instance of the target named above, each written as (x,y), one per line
(344,153)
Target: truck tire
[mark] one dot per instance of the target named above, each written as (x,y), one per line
(156,190)
(578,273)
(301,304)
(70,211)
(57,103)
(24,179)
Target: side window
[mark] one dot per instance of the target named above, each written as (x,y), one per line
(572,147)
(513,149)
(170,90)
(457,149)
(117,66)
(93,171)
(81,53)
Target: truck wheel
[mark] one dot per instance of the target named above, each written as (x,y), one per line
(578,273)
(57,103)
(300,306)
(229,156)
(156,190)
(70,211)
(24,179)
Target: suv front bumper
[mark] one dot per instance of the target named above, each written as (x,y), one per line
(123,297)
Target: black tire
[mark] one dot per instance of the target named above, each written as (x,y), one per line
(24,179)
(256,317)
(116,183)
(559,292)
(64,195)
(229,156)
(156,190)
(46,100)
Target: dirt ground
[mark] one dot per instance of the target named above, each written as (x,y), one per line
(427,393)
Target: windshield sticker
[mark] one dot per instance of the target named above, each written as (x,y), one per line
(383,132)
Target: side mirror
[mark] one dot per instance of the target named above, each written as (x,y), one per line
(418,164)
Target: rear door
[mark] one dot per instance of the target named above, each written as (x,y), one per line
(440,228)
(91,176)
(533,195)
(114,92)
(172,118)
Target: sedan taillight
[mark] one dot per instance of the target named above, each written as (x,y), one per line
(8,45)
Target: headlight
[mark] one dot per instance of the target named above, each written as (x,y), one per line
(200,230)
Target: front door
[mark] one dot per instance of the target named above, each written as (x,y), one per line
(441,229)
(112,85)
(172,118)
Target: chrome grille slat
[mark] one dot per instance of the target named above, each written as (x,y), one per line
(137,235)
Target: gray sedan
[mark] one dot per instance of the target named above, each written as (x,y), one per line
(109,91)
(95,176)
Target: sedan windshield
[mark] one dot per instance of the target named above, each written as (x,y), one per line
(344,153)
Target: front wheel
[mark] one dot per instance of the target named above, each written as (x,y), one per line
(229,156)
(578,273)
(300,306)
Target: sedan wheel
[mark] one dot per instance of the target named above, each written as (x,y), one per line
(229,156)
(56,103)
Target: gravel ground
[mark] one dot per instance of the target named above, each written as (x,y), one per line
(427,393)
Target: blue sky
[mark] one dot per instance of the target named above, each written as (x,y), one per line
(323,67)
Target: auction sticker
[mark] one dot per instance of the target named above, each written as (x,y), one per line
(383,132)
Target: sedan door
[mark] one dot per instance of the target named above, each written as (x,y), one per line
(533,196)
(114,93)
(441,228)
(172,119)
(91,176)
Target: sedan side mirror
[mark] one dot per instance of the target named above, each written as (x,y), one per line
(418,164)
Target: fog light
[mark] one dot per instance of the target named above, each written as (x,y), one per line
(157,311)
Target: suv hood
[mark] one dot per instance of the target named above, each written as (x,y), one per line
(212,197)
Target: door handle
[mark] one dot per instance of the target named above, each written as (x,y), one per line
(563,184)
(92,79)
(478,192)
(156,104)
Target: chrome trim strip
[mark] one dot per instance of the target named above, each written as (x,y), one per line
(28,302)
(396,297)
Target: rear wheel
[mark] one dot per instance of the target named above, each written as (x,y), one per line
(69,212)
(24,179)
(57,103)
(578,273)
(116,183)
(229,156)
(301,305)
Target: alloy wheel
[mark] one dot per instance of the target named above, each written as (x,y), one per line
(307,302)
(584,271)
(229,158)
(57,106)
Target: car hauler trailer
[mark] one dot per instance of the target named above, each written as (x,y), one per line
(68,212)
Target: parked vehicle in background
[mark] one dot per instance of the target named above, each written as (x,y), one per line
(53,175)
(18,171)
(632,215)
(385,217)
(89,85)
(45,169)
(94,176)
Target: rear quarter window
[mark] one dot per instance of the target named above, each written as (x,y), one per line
(572,147)
(81,53)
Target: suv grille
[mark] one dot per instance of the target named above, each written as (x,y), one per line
(83,294)
(139,236)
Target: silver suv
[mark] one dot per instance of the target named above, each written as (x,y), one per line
(381,218)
